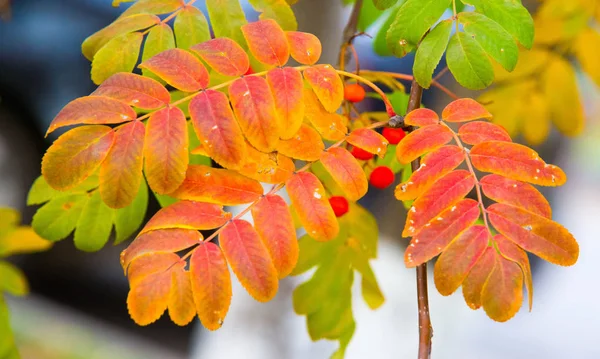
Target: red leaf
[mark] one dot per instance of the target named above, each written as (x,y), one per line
(214,185)
(502,293)
(304,47)
(179,69)
(310,202)
(346,172)
(327,85)
(166,150)
(249,259)
(477,132)
(181,302)
(517,162)
(306,145)
(278,236)
(515,193)
(267,42)
(463,110)
(287,87)
(224,55)
(254,108)
(473,284)
(267,167)
(94,110)
(121,172)
(512,252)
(421,141)
(188,215)
(368,140)
(217,128)
(75,155)
(135,90)
(422,117)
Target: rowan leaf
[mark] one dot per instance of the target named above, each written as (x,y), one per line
(584,48)
(157,7)
(368,140)
(134,90)
(468,62)
(188,215)
(287,88)
(12,280)
(327,85)
(512,252)
(346,172)
(476,132)
(224,55)
(159,39)
(227,17)
(129,219)
(20,240)
(512,16)
(477,277)
(430,52)
(181,301)
(278,10)
(190,27)
(422,117)
(306,145)
(463,110)
(330,125)
(420,141)
(94,225)
(120,54)
(304,47)
(537,112)
(310,202)
(76,155)
(267,42)
(56,219)
(249,259)
(271,167)
(10,217)
(502,293)
(179,69)
(515,193)
(166,150)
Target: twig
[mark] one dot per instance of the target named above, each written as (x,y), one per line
(349,32)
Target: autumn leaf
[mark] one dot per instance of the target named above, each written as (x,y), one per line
(188,215)
(179,69)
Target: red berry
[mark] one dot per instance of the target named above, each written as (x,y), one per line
(393,135)
(354,93)
(339,205)
(382,177)
(361,154)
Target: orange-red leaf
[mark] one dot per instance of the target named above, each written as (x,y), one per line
(215,185)
(476,132)
(287,88)
(517,162)
(166,150)
(217,129)
(444,193)
(330,125)
(279,236)
(267,167)
(502,293)
(515,193)
(327,85)
(346,172)
(267,42)
(211,285)
(455,262)
(310,202)
(422,117)
(368,140)
(179,69)
(440,231)
(181,302)
(433,166)
(249,259)
(511,251)
(148,264)
(536,234)
(304,47)
(224,55)
(94,110)
(423,140)
(135,90)
(306,145)
(464,109)
(121,171)
(254,108)
(75,155)
(188,215)
(473,284)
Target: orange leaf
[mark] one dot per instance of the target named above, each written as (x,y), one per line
(304,47)
(188,215)
(179,69)
(368,140)
(148,264)
(346,172)
(135,90)
(254,108)
(422,117)
(75,155)
(327,85)
(444,193)
(433,166)
(215,185)
(287,87)
(473,284)
(278,236)
(306,145)
(477,132)
(517,162)
(463,110)
(217,128)
(440,231)
(536,234)
(267,167)
(211,284)
(166,150)
(516,193)
(181,302)
(94,110)
(224,55)
(330,125)
(502,293)
(423,140)
(267,42)
(121,172)
(512,252)
(455,262)
(310,202)
(249,259)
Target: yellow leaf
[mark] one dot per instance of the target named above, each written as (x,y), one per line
(587,51)
(536,120)
(22,240)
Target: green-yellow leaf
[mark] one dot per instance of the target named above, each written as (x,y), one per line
(157,7)
(512,16)
(278,10)
(12,280)
(468,62)
(56,219)
(41,191)
(159,39)
(430,52)
(21,239)
(94,225)
(9,217)
(129,219)
(118,55)
(191,27)
(227,17)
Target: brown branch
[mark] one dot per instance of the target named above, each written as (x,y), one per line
(348,34)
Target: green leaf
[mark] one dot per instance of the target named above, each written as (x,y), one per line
(311,252)
(8,349)
(94,225)
(12,280)
(496,41)
(118,55)
(511,15)
(430,52)
(191,28)
(335,312)
(368,15)
(129,219)
(468,62)
(380,42)
(159,39)
(362,226)
(399,100)
(278,10)
(412,21)
(325,177)
(383,4)
(344,341)
(390,160)
(41,191)
(56,219)
(226,18)
(370,290)
(157,7)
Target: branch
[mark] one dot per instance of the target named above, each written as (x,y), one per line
(348,33)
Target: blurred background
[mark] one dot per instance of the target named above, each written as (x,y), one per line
(77,307)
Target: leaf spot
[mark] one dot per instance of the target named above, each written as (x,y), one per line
(527,228)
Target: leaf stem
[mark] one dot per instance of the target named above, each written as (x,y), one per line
(172,15)
(407,77)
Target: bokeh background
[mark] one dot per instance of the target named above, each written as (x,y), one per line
(77,306)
